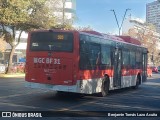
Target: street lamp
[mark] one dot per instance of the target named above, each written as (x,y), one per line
(119,27)
(116,19)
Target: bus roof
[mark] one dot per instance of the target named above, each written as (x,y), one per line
(122,39)
(126,39)
(130,40)
(93,32)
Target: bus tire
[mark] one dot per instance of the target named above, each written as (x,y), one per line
(105,87)
(137,82)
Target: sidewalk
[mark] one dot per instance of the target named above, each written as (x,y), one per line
(13,75)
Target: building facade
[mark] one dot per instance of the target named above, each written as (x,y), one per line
(63,10)
(153,14)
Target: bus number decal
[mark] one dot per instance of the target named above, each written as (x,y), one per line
(47,60)
(57,61)
(38,60)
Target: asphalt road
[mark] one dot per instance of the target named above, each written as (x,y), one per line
(15,97)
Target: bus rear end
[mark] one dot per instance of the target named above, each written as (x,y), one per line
(50,60)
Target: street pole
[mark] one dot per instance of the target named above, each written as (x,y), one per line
(116,20)
(120,27)
(124,18)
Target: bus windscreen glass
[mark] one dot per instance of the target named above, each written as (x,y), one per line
(51,41)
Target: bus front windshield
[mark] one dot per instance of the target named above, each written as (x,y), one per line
(51,41)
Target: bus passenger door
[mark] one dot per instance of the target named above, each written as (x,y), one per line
(117,64)
(144,67)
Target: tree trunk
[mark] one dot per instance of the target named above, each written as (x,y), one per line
(9,68)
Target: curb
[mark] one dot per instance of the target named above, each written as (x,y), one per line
(11,75)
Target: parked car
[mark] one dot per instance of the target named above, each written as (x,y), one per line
(154,69)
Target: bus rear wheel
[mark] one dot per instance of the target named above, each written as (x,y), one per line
(105,88)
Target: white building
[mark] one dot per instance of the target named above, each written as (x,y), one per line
(64,10)
(131,23)
(153,14)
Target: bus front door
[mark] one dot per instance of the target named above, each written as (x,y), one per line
(117,63)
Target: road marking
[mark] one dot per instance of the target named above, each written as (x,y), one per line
(152,83)
(31,107)
(75,106)
(109,105)
(126,106)
(16,105)
(20,94)
(26,106)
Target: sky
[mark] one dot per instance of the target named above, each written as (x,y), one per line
(97,14)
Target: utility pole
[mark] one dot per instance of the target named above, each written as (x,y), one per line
(119,27)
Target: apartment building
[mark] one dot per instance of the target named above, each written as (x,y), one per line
(153,14)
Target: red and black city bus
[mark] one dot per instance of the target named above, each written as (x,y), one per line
(83,62)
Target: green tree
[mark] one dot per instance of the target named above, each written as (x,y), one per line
(22,15)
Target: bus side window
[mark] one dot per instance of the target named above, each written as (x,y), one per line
(98,61)
(132,59)
(105,56)
(126,59)
(138,60)
(84,60)
(94,55)
(90,53)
